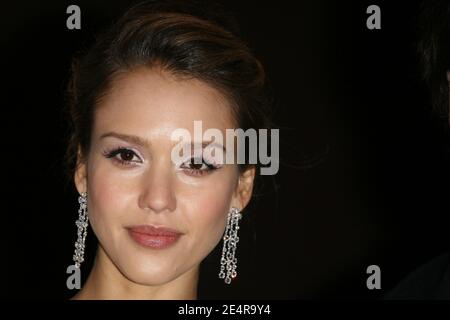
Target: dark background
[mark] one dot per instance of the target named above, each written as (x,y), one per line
(364,177)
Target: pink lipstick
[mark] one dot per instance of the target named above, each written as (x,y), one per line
(154,237)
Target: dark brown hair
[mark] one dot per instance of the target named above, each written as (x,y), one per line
(434,53)
(188,39)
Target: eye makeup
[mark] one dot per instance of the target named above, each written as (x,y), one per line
(193,166)
(198,166)
(122,156)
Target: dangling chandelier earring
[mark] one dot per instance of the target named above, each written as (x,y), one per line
(82,224)
(228,262)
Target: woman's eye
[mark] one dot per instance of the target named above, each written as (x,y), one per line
(123,156)
(198,167)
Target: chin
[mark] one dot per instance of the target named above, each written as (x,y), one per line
(149,275)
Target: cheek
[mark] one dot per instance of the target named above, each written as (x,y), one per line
(107,198)
(207,206)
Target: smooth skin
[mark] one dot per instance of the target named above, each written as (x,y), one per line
(143,186)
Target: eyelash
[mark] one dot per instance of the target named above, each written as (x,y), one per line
(127,163)
(113,153)
(199,172)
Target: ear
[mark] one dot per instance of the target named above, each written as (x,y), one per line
(80,176)
(244,189)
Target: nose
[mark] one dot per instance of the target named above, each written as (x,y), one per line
(157,192)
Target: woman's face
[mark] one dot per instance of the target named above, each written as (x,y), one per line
(133,182)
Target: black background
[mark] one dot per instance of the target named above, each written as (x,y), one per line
(364,176)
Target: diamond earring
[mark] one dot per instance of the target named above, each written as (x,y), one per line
(82,224)
(228,262)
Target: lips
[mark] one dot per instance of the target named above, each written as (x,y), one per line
(154,237)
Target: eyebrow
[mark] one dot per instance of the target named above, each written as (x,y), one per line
(133,139)
(145,143)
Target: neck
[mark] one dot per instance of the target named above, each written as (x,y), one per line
(106,282)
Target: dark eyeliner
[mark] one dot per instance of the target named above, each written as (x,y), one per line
(113,153)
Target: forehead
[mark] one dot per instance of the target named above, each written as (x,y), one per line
(153,101)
